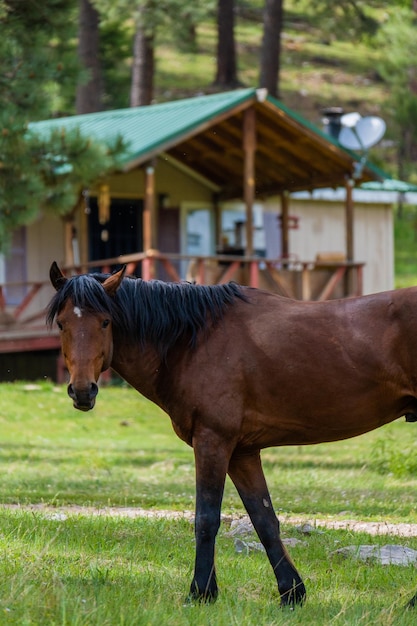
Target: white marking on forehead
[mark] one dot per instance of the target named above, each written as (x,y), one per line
(77,311)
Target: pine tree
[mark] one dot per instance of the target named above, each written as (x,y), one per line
(35,74)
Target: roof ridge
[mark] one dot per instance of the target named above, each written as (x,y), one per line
(145,109)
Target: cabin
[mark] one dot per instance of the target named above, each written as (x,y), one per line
(230,186)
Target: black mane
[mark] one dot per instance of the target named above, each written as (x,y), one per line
(149,311)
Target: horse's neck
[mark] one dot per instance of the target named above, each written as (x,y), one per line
(139,367)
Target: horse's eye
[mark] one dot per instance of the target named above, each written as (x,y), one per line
(58,323)
(105,323)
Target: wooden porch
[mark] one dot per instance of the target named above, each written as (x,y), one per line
(323,279)
(26,344)
(21,332)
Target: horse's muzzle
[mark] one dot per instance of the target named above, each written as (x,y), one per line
(83,399)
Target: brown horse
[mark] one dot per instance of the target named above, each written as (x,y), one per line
(238,370)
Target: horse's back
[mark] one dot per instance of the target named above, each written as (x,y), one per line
(304,372)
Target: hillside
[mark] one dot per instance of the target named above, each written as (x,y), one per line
(317,71)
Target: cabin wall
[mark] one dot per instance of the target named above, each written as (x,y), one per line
(169,180)
(321,229)
(375,240)
(44,244)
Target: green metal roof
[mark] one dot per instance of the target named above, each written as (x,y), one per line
(153,127)
(389,184)
(205,133)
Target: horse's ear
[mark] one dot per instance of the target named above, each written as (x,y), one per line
(112,283)
(57,277)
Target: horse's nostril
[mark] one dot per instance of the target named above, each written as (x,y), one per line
(83,396)
(93,390)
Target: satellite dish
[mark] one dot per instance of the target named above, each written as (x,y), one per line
(370,129)
(349,139)
(360,133)
(350,119)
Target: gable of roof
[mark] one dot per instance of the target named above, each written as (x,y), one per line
(205,133)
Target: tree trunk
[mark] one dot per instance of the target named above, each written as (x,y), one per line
(226,75)
(141,91)
(88,98)
(271,46)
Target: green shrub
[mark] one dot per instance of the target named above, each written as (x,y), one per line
(387,457)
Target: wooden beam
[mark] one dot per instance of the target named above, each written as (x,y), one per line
(349,220)
(285,246)
(68,233)
(149,208)
(29,344)
(149,223)
(349,225)
(229,272)
(249,149)
(217,222)
(332,283)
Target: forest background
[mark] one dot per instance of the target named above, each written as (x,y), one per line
(63,57)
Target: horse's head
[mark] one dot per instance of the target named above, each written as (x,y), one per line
(82,310)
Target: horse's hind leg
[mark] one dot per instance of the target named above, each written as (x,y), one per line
(247,474)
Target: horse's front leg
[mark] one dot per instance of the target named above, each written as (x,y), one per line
(211,461)
(247,474)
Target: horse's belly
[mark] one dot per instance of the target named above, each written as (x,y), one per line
(262,432)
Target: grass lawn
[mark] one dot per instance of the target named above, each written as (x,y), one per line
(125,453)
(104,571)
(67,568)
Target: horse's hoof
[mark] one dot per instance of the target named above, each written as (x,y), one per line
(192,600)
(296,596)
(197,597)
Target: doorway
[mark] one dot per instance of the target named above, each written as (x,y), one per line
(121,234)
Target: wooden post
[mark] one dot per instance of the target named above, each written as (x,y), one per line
(349,224)
(149,222)
(149,208)
(217,222)
(68,234)
(254,274)
(249,148)
(349,219)
(285,246)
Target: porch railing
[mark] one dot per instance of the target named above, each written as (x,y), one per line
(302,280)
(290,277)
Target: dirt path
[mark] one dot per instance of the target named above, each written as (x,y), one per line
(372,528)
